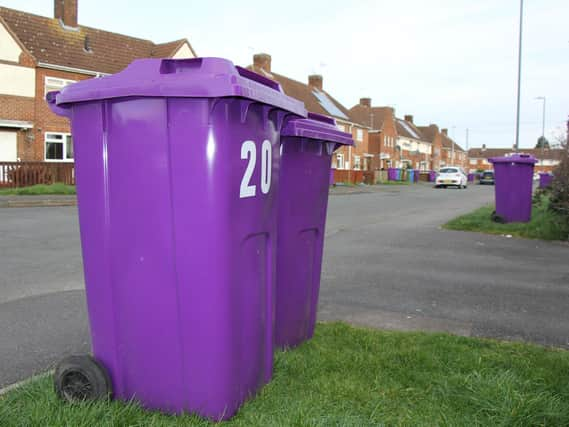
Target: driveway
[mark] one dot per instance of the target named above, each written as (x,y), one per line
(387,264)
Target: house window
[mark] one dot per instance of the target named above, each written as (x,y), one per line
(58,147)
(52,83)
(341,127)
(359,134)
(357,162)
(339,161)
(472,161)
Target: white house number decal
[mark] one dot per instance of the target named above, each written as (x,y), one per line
(249,152)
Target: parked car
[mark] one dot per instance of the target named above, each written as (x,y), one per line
(451,176)
(487,177)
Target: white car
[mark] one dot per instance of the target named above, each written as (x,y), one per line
(451,176)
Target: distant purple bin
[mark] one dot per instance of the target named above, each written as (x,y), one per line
(308,145)
(177,165)
(513,177)
(545,180)
(432,176)
(470,177)
(391,174)
(416,174)
(332,179)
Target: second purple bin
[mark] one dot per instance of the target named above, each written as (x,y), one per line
(307,147)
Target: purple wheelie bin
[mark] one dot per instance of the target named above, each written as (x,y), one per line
(308,145)
(545,179)
(513,181)
(432,176)
(177,167)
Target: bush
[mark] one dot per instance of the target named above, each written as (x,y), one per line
(559,198)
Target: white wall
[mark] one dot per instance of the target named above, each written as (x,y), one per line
(8,146)
(9,49)
(184,52)
(16,80)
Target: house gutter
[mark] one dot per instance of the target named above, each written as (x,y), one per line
(71,69)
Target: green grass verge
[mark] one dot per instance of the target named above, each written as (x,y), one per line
(40,189)
(544,224)
(348,376)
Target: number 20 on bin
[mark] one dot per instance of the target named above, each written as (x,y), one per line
(249,152)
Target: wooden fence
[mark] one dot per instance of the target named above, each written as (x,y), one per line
(348,176)
(24,174)
(357,177)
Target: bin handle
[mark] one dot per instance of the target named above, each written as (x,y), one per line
(322,118)
(243,72)
(57,109)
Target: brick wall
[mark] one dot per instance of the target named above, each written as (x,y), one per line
(17,108)
(388,130)
(44,119)
(360,148)
(437,151)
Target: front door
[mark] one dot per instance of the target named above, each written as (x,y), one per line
(8,146)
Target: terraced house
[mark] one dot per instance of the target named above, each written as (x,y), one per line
(39,54)
(317,100)
(547,159)
(415,150)
(452,154)
(382,132)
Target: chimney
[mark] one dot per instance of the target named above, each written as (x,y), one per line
(66,12)
(483,147)
(365,102)
(408,118)
(444,132)
(315,81)
(262,61)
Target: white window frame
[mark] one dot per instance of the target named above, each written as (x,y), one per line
(357,163)
(48,137)
(340,161)
(359,134)
(341,127)
(55,83)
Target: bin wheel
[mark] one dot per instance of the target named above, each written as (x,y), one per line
(497,218)
(81,377)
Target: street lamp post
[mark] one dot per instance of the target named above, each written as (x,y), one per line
(542,98)
(517,145)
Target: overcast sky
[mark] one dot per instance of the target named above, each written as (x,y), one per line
(449,62)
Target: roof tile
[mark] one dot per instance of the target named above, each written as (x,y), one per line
(109,52)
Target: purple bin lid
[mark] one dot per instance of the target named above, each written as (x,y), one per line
(193,78)
(515,158)
(317,126)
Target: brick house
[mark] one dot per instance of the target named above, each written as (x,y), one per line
(317,100)
(382,132)
(415,150)
(432,134)
(478,157)
(39,54)
(452,154)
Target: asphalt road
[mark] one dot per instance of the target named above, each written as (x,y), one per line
(387,264)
